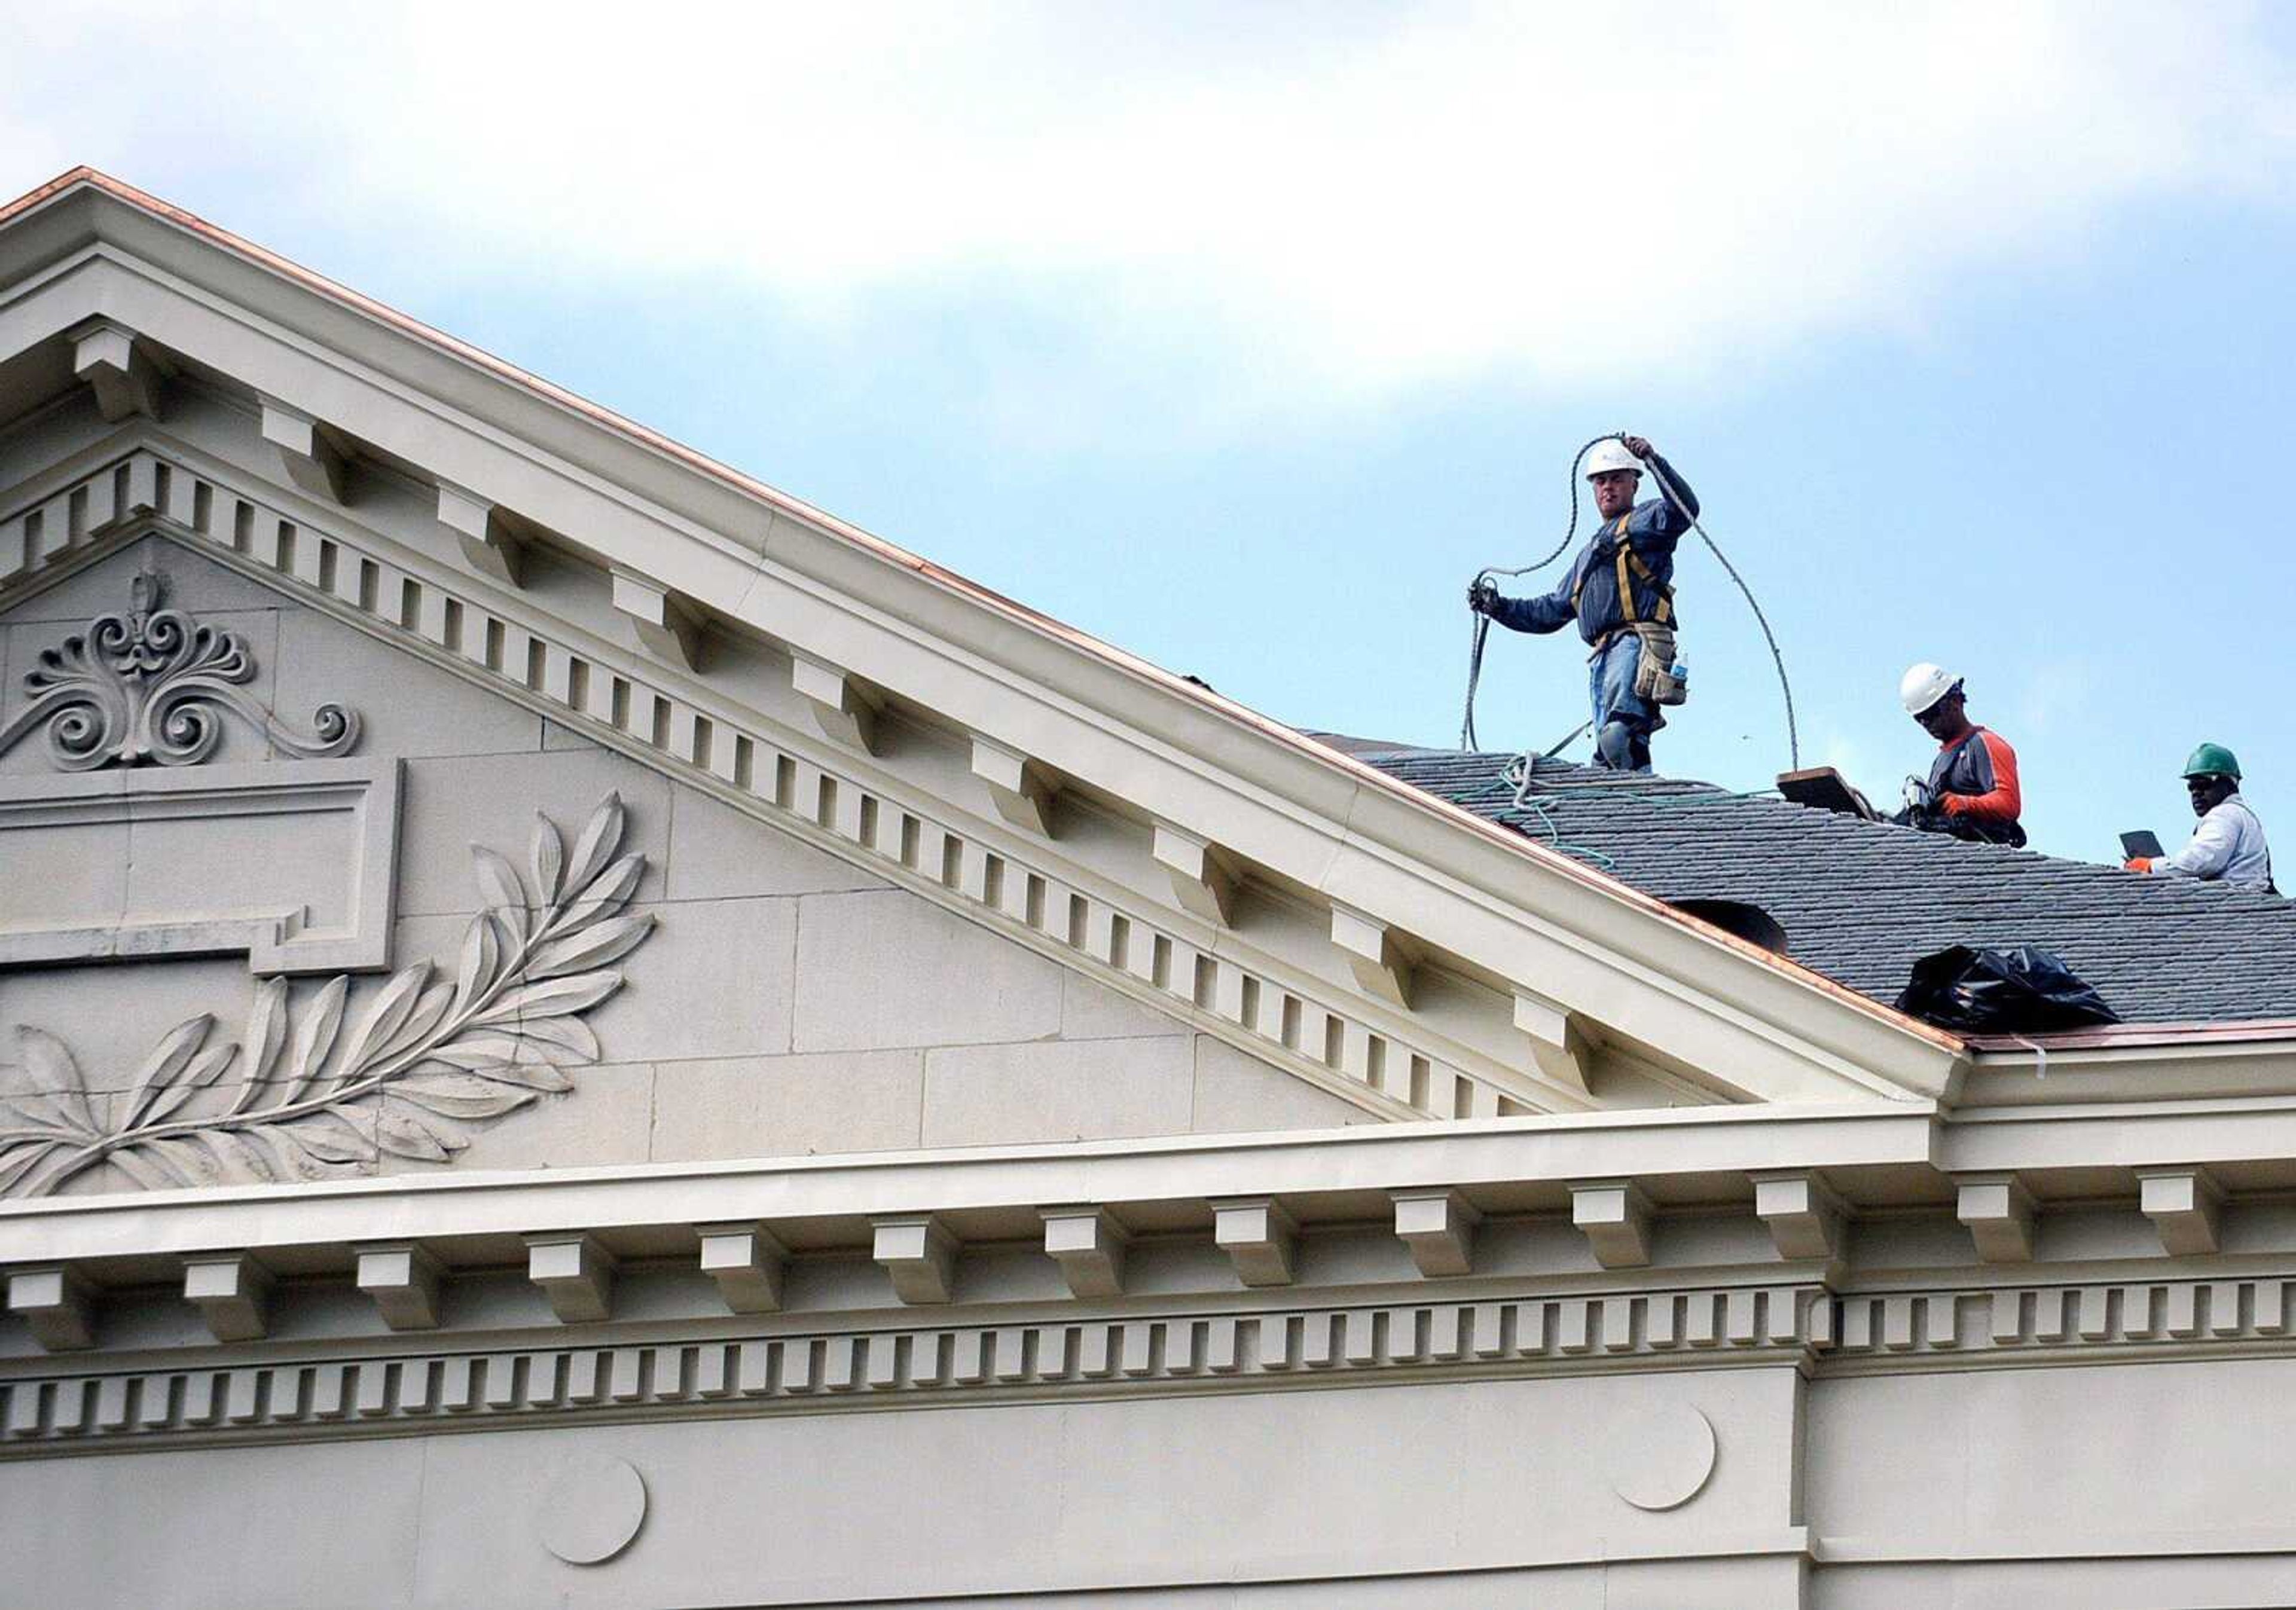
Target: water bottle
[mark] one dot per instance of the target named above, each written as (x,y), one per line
(1680,671)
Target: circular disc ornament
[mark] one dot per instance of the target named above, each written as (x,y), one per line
(592,1509)
(1662,1456)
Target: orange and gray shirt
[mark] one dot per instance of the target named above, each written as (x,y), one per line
(1973,782)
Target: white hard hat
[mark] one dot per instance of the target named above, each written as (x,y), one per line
(1611,453)
(1924,686)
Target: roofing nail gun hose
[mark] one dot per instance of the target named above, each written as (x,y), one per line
(1666,487)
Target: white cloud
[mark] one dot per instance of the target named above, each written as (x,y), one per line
(2058,692)
(1331,204)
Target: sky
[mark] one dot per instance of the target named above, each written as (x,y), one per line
(1243,335)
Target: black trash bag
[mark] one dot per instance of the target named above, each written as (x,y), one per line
(2023,991)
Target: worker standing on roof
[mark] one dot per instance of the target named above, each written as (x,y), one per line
(1971,792)
(2228,846)
(1620,591)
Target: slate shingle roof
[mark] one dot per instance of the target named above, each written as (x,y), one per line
(1859,901)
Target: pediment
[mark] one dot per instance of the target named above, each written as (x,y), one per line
(1193,860)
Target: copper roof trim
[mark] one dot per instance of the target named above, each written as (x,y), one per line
(2130,1037)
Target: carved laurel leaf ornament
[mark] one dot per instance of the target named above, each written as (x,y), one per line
(315,1088)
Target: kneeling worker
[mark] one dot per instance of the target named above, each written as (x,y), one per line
(2228,846)
(1973,788)
(1620,591)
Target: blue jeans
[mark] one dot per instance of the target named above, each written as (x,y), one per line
(1623,723)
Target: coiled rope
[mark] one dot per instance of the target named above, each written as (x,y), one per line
(1483,622)
(1467,741)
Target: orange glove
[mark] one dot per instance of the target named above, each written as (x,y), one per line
(2137,863)
(1953,805)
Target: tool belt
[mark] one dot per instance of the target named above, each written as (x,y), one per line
(1654,679)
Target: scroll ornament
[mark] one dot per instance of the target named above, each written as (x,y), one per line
(427,1055)
(152,686)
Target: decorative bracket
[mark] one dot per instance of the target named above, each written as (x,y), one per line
(920,1255)
(1804,1216)
(484,533)
(1204,880)
(747,1260)
(1998,1210)
(58,1303)
(403,1279)
(1259,1237)
(1561,1046)
(232,1293)
(1022,793)
(1439,1227)
(1615,1216)
(2185,1205)
(312,455)
(844,707)
(123,372)
(1379,956)
(575,1273)
(1089,1243)
(667,625)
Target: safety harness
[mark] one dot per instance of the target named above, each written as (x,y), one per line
(1631,563)
(1656,680)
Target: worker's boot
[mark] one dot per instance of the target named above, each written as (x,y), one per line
(1621,748)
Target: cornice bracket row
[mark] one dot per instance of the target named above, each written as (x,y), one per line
(922,1254)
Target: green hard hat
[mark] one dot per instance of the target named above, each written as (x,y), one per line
(2212,760)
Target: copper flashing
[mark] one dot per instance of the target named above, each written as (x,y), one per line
(2132,1036)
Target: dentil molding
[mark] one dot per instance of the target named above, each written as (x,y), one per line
(44,1409)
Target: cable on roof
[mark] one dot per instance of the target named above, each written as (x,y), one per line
(1518,773)
(1522,780)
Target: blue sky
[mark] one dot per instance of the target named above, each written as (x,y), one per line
(1243,335)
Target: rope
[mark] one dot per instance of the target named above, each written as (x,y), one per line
(1518,772)
(1786,687)
(1467,743)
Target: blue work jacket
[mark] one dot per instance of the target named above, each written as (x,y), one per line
(1589,595)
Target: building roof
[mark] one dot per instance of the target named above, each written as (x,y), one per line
(1860,901)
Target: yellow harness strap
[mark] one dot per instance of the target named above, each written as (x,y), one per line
(1629,561)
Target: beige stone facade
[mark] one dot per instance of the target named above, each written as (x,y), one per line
(591,1035)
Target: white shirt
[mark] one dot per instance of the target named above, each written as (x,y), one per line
(2227,846)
